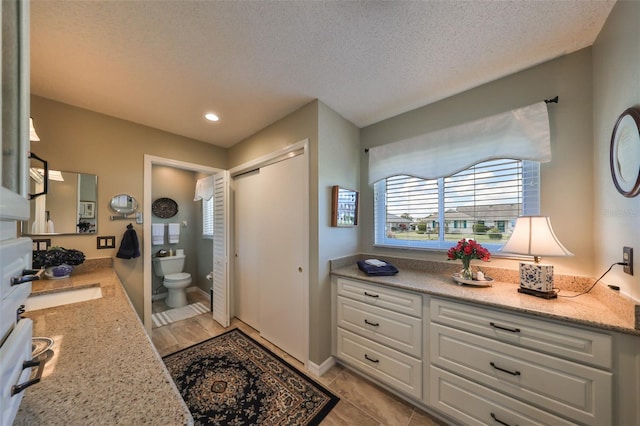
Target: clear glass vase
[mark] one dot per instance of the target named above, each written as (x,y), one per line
(466,273)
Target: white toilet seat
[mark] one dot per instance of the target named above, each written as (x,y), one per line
(180,276)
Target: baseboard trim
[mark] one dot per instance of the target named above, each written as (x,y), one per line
(319,370)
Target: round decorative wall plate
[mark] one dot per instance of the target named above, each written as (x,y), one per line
(164,208)
(624,154)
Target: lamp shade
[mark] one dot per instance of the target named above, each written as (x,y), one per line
(534,236)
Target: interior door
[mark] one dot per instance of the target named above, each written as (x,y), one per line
(271,240)
(221,248)
(283,271)
(248,225)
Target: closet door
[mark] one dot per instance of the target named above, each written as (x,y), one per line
(248,226)
(283,270)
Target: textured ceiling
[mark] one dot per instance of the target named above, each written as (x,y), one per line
(165,63)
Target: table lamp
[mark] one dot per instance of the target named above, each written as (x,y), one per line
(534,236)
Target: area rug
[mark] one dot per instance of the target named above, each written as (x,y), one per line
(233,380)
(178,314)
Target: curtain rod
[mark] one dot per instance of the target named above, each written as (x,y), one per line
(548,101)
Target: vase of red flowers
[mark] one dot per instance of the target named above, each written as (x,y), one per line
(467,250)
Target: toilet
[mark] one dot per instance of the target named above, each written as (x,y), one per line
(174,280)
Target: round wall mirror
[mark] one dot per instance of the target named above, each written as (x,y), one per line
(124,204)
(624,156)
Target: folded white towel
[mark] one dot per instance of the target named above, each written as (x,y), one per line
(174,233)
(157,233)
(374,262)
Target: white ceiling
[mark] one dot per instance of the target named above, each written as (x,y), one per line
(164,64)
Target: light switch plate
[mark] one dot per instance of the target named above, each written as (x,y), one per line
(106,242)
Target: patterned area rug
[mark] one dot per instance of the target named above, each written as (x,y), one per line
(233,380)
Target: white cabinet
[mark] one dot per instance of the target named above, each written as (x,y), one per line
(379,331)
(512,368)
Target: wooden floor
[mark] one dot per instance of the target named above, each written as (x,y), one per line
(361,402)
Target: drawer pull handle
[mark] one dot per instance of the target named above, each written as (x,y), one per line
(370,295)
(16,389)
(27,276)
(513,373)
(370,359)
(513,330)
(497,420)
(374,324)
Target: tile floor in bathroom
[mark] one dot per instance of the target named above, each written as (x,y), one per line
(361,402)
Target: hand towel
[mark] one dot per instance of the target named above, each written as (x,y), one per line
(157,233)
(174,233)
(129,246)
(204,189)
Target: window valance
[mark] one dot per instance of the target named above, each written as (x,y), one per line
(521,134)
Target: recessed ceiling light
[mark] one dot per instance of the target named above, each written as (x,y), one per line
(211,116)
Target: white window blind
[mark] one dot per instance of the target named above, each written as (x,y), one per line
(207,218)
(481,202)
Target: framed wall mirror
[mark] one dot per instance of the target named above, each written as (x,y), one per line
(344,207)
(68,208)
(624,154)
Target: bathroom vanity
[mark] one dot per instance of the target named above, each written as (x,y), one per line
(104,368)
(488,355)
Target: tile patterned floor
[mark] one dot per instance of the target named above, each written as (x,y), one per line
(361,402)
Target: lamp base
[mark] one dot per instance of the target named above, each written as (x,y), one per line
(537,293)
(536,276)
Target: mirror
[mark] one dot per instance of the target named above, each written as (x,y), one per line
(344,207)
(69,207)
(124,204)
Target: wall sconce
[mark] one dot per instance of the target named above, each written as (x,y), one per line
(534,236)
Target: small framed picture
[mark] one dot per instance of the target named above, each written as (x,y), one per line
(87,210)
(344,207)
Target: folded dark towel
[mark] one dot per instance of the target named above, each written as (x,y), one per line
(387,269)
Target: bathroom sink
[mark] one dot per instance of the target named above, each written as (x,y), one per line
(59,298)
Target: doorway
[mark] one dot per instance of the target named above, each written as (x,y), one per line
(149,163)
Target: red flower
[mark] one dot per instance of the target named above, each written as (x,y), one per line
(467,250)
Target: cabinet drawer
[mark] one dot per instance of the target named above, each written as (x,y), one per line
(472,404)
(576,391)
(393,368)
(399,331)
(13,353)
(383,297)
(544,336)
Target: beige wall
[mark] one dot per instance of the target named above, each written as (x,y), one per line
(616,82)
(74,139)
(566,182)
(338,153)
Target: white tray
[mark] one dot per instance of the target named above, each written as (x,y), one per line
(486,283)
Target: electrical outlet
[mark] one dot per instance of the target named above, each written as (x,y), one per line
(627,257)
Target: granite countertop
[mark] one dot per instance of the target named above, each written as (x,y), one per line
(600,308)
(104,368)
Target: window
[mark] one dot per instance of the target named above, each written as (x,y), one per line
(481,202)
(207,218)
